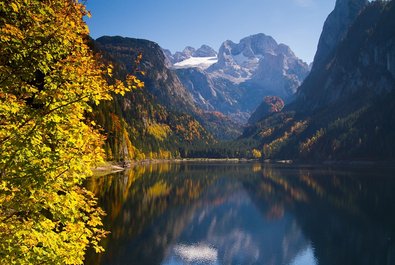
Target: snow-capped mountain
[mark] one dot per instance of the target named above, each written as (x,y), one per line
(242,76)
(204,51)
(196,62)
(238,62)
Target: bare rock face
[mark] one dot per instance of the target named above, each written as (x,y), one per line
(189,52)
(238,62)
(200,86)
(205,51)
(336,27)
(159,80)
(281,72)
(361,66)
(185,54)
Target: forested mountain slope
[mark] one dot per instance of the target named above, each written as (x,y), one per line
(345,108)
(149,122)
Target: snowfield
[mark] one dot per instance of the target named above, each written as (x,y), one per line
(199,62)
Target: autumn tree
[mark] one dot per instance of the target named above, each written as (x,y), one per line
(48,80)
(256,154)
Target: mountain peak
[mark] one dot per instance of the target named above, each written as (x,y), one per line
(258,44)
(245,73)
(205,51)
(189,52)
(245,60)
(336,27)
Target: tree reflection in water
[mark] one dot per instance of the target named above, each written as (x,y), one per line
(246,214)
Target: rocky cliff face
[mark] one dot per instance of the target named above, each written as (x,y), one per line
(159,80)
(282,71)
(205,51)
(201,87)
(185,54)
(336,27)
(218,95)
(361,65)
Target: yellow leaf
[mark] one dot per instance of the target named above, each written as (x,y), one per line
(109,70)
(14,7)
(140,84)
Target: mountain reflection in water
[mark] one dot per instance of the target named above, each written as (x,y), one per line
(235,213)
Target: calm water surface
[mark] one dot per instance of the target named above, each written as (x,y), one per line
(189,213)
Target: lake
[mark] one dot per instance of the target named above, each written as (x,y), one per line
(247,213)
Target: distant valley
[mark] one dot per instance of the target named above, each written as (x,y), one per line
(259,95)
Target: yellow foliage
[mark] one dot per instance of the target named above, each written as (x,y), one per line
(159,189)
(158,131)
(266,133)
(256,153)
(298,127)
(131,151)
(275,145)
(48,78)
(190,131)
(306,146)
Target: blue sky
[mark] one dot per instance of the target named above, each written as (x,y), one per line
(174,24)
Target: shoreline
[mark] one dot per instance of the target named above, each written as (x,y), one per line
(113,167)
